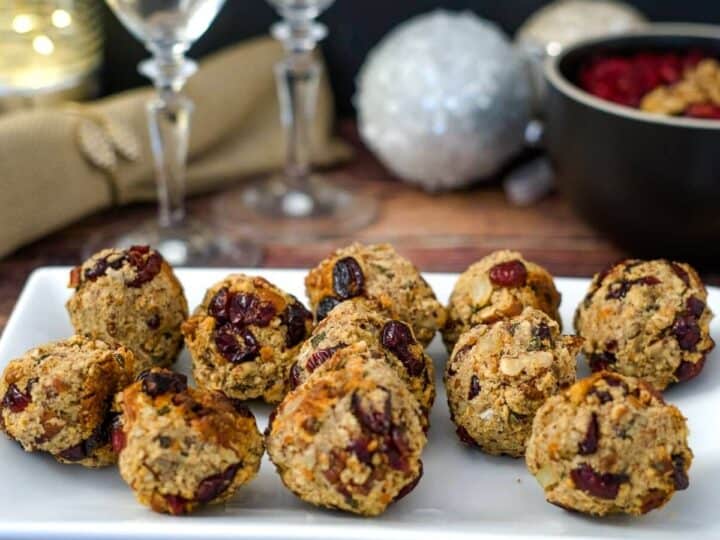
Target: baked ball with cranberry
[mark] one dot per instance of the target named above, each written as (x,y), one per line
(378,273)
(646,319)
(498,286)
(350,437)
(131,297)
(499,374)
(181,448)
(57,398)
(359,321)
(609,445)
(243,338)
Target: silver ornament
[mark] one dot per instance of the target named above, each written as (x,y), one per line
(443,100)
(565,22)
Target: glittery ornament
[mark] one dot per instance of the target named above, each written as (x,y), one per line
(565,22)
(444,100)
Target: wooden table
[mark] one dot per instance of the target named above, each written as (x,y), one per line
(438,232)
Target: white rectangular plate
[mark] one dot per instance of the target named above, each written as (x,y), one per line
(464,493)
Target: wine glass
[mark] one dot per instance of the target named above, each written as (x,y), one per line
(168,28)
(298,204)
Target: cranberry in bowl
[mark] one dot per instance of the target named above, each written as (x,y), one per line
(634,138)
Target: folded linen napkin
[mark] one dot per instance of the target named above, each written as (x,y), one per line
(50,174)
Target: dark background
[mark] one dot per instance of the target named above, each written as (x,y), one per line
(355,27)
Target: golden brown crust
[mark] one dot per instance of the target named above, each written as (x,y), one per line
(480,297)
(57,398)
(609,444)
(388,279)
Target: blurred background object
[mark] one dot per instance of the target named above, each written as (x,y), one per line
(51,51)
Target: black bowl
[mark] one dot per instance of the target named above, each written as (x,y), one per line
(652,183)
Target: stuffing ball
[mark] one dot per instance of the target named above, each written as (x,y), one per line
(243,338)
(350,437)
(180,447)
(646,319)
(377,273)
(499,374)
(358,320)
(609,445)
(498,286)
(131,297)
(57,398)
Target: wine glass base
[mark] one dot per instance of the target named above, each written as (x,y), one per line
(271,210)
(188,244)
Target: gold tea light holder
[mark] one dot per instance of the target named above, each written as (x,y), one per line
(52,52)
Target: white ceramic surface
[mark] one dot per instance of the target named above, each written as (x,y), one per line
(464,493)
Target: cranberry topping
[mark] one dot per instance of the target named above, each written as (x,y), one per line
(118,439)
(397,337)
(375,421)
(296,317)
(688,370)
(509,274)
(680,477)
(542,331)
(474,387)
(236,345)
(155,383)
(348,278)
(681,273)
(146,267)
(176,504)
(325,306)
(98,438)
(215,485)
(15,400)
(695,307)
(318,358)
(465,437)
(686,331)
(620,289)
(603,486)
(601,361)
(589,444)
(153,322)
(244,309)
(294,377)
(218,307)
(360,447)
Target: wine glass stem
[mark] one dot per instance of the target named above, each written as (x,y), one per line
(297,78)
(169,115)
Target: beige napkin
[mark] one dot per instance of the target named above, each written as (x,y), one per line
(47,182)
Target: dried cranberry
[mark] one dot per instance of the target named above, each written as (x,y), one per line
(215,485)
(542,331)
(218,307)
(509,274)
(689,370)
(611,345)
(294,377)
(176,504)
(296,317)
(156,383)
(397,337)
(620,289)
(474,387)
(407,488)
(681,273)
(153,322)
(602,395)
(236,345)
(146,268)
(244,309)
(680,477)
(118,439)
(318,358)
(601,361)
(15,400)
(589,444)
(96,271)
(98,438)
(141,250)
(603,486)
(348,278)
(325,306)
(360,447)
(375,421)
(695,307)
(686,331)
(74,453)
(399,439)
(465,437)
(654,499)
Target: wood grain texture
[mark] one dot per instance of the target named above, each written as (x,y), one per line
(438,232)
